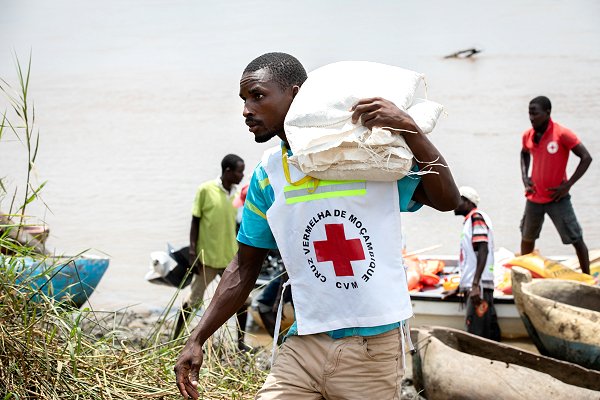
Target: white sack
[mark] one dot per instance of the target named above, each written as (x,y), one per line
(325,142)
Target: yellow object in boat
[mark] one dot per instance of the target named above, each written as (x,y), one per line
(542,267)
(506,285)
(451,283)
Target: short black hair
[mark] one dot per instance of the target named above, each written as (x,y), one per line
(285,69)
(230,161)
(543,102)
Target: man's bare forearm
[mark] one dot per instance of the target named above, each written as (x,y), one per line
(482,255)
(236,284)
(438,189)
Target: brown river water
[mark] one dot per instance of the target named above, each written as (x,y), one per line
(136,102)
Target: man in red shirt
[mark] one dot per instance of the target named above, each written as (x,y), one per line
(547,189)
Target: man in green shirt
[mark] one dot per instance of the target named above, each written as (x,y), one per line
(213,236)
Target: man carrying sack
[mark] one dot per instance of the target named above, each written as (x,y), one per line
(339,242)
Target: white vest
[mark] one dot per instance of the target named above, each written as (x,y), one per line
(468,257)
(341,245)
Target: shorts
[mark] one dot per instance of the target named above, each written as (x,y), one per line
(562,215)
(316,367)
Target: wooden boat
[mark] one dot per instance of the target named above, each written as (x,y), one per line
(453,364)
(67,280)
(430,307)
(562,317)
(33,236)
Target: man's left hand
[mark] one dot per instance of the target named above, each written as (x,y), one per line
(560,191)
(378,112)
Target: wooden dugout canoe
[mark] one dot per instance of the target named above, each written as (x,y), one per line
(562,317)
(452,364)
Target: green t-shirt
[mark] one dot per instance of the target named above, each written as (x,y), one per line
(217,242)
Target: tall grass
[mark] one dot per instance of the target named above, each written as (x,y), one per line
(50,350)
(24,131)
(53,351)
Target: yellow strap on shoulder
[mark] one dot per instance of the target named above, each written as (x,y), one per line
(286,171)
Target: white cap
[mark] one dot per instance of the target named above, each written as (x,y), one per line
(470,194)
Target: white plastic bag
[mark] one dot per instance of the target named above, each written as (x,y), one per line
(325,142)
(170,268)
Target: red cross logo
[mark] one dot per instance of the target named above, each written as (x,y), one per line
(339,250)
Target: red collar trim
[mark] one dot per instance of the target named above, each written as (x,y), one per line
(473,211)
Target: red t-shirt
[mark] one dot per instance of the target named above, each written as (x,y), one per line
(550,158)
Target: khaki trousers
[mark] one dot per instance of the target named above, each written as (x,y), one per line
(199,284)
(319,367)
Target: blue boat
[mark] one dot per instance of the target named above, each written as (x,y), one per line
(67,280)
(562,317)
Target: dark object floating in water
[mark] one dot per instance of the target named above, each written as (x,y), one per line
(467,53)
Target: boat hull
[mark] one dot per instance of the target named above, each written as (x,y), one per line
(69,281)
(562,317)
(452,364)
(430,309)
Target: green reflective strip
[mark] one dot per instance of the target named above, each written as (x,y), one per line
(325,191)
(264,183)
(311,185)
(254,209)
(328,195)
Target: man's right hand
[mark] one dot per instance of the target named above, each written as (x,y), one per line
(187,369)
(528,183)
